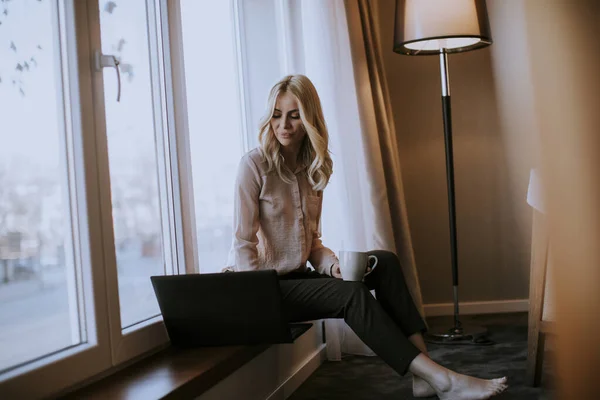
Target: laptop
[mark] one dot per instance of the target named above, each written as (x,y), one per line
(224,309)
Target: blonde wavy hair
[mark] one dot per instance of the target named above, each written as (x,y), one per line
(314,152)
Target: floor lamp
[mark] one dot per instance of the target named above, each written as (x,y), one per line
(439,27)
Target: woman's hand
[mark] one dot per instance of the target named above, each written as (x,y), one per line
(335,271)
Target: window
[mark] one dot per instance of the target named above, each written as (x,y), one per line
(53,308)
(135,156)
(93,190)
(232,58)
(134,132)
(88,189)
(217,139)
(39,277)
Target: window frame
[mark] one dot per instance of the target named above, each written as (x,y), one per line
(148,335)
(180,140)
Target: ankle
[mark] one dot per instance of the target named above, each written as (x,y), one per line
(438,377)
(442,381)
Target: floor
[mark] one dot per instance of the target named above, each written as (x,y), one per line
(359,377)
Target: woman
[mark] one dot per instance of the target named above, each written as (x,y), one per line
(278,199)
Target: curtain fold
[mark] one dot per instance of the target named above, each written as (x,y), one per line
(334,43)
(377,106)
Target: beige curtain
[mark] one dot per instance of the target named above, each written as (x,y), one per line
(383,162)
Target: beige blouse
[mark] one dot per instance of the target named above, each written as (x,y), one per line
(276,225)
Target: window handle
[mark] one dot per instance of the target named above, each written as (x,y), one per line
(108,60)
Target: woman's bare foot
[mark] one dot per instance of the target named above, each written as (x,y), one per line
(462,387)
(421,388)
(450,385)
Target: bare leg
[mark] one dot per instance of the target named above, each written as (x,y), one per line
(449,385)
(420,386)
(419,342)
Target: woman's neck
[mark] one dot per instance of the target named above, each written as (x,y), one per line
(291,157)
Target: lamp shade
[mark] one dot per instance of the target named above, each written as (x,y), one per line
(425,27)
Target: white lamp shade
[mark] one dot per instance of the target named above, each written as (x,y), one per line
(427,26)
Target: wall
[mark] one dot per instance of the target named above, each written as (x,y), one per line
(493,145)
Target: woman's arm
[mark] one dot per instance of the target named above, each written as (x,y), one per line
(246,215)
(321,257)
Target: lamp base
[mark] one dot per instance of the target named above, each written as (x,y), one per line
(464,334)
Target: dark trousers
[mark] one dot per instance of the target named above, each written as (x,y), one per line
(383,324)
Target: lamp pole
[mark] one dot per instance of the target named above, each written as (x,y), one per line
(447,115)
(456,332)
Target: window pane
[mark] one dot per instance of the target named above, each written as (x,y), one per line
(38,296)
(133,147)
(214,123)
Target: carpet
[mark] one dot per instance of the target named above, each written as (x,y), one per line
(359,377)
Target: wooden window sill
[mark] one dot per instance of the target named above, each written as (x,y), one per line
(171,374)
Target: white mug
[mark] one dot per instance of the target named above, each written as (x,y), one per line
(353,265)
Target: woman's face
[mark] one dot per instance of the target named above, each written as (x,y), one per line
(286,122)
